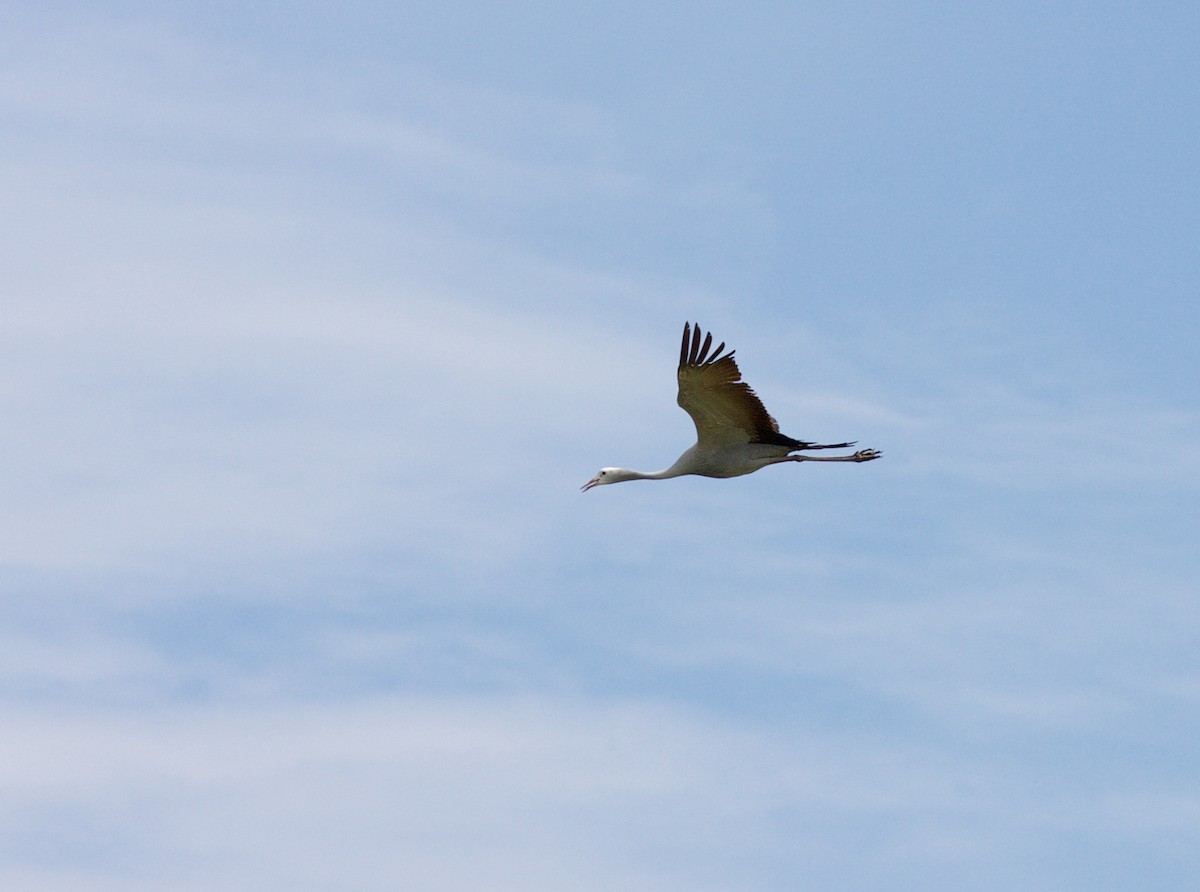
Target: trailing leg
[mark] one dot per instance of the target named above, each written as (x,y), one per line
(860,456)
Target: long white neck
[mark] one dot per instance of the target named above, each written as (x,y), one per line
(683,465)
(664,474)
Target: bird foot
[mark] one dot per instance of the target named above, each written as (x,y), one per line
(866,455)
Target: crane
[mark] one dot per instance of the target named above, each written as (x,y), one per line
(734,433)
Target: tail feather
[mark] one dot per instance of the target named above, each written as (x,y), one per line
(807,446)
(776,439)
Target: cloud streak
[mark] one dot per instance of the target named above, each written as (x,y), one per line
(457,793)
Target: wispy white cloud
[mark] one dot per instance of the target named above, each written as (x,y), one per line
(196,366)
(462,794)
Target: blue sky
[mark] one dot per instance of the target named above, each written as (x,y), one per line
(316,316)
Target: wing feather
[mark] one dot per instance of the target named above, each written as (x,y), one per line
(724,408)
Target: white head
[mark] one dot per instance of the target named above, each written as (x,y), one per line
(610,475)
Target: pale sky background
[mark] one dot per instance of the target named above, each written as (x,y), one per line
(316,316)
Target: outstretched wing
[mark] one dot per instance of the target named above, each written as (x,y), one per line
(724,408)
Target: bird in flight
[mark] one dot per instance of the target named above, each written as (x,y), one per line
(734,433)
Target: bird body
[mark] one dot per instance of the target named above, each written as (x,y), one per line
(735,435)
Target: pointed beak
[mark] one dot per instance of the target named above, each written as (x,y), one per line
(589,484)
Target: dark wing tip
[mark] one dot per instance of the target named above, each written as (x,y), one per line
(694,353)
